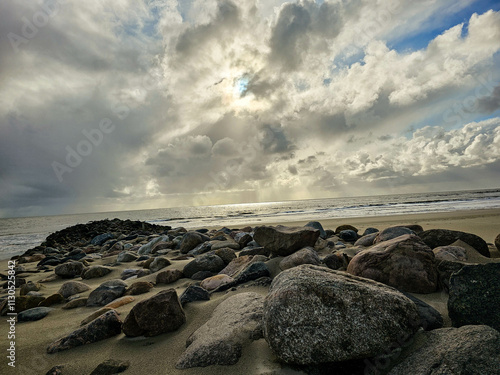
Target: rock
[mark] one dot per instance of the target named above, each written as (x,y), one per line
(414,227)
(283,241)
(126,256)
(243,239)
(122,301)
(139,287)
(69,270)
(53,299)
(79,302)
(162,246)
(404,262)
(190,240)
(367,240)
(255,251)
(110,367)
(226,254)
(451,253)
(95,315)
(147,248)
(340,228)
(229,243)
(461,351)
(475,295)
(33,314)
(168,276)
(237,265)
(214,282)
(96,271)
(497,242)
(445,269)
(430,318)
(194,293)
(317,225)
(56,370)
(304,256)
(444,237)
(158,263)
(335,261)
(369,230)
(27,302)
(206,262)
(391,233)
(234,323)
(202,248)
(101,239)
(106,292)
(156,315)
(313,314)
(348,235)
(28,287)
(202,275)
(253,271)
(105,326)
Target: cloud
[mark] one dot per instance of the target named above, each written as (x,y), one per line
(490,103)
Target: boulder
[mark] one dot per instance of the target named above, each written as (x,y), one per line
(156,315)
(444,237)
(122,301)
(391,233)
(27,302)
(96,271)
(475,295)
(228,243)
(79,302)
(105,326)
(53,299)
(147,248)
(367,240)
(335,261)
(283,241)
(430,318)
(168,276)
(69,270)
(233,324)
(101,239)
(340,228)
(190,240)
(370,230)
(255,251)
(206,262)
(106,292)
(33,314)
(451,253)
(214,282)
(313,315)
(317,225)
(139,287)
(126,256)
(30,286)
(348,235)
(304,256)
(158,263)
(226,254)
(404,262)
(194,293)
(461,351)
(110,367)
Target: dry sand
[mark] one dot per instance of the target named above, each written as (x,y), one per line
(158,355)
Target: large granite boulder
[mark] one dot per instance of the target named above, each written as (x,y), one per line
(205,262)
(283,241)
(156,315)
(444,237)
(107,292)
(234,323)
(404,262)
(313,315)
(105,326)
(475,295)
(459,351)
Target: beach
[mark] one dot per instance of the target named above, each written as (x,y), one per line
(159,354)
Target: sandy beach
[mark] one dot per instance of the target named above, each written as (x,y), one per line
(159,354)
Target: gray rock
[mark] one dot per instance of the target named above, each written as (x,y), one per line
(194,293)
(96,271)
(391,233)
(404,262)
(101,328)
(190,240)
(69,270)
(233,324)
(444,237)
(202,248)
(159,263)
(156,315)
(226,254)
(30,286)
(139,287)
(255,251)
(367,240)
(369,230)
(147,248)
(101,239)
(34,314)
(451,253)
(348,235)
(335,261)
(460,351)
(475,295)
(497,242)
(313,314)
(126,256)
(430,318)
(110,367)
(206,262)
(168,276)
(106,292)
(304,256)
(317,225)
(229,243)
(70,288)
(283,241)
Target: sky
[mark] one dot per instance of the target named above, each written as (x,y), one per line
(137,104)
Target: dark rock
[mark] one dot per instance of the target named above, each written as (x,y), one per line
(96,271)
(348,235)
(497,242)
(317,225)
(226,254)
(194,293)
(414,227)
(202,275)
(158,263)
(475,295)
(33,314)
(56,370)
(139,287)
(369,230)
(404,262)
(340,228)
(106,292)
(304,256)
(430,318)
(148,248)
(444,237)
(100,239)
(253,271)
(206,262)
(168,276)
(156,315)
(334,261)
(75,255)
(202,248)
(367,240)
(313,314)
(283,241)
(190,240)
(105,326)
(243,239)
(233,324)
(255,251)
(110,367)
(461,351)
(69,270)
(28,287)
(445,269)
(451,253)
(27,302)
(126,256)
(227,243)
(53,299)
(79,302)
(391,233)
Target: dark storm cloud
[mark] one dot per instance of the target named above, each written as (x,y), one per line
(490,103)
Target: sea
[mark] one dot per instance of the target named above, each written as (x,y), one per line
(20,234)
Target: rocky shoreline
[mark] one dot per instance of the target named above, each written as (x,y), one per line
(316,301)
